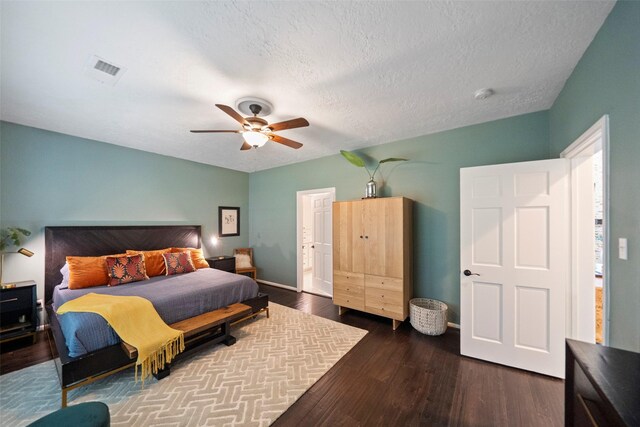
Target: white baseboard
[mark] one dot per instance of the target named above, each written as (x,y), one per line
(278,285)
(293,289)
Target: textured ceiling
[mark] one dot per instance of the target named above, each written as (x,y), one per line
(362,73)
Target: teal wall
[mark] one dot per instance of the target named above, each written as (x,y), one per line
(52,179)
(431,179)
(607,81)
(48,178)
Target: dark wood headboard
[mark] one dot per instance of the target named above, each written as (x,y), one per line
(61,242)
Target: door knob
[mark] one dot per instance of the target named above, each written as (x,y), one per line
(469,273)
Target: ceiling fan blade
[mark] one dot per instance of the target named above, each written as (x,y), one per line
(245,146)
(214,131)
(230,111)
(289,124)
(285,141)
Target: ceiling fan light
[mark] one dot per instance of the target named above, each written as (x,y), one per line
(255,139)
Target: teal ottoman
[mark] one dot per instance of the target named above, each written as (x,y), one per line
(89,414)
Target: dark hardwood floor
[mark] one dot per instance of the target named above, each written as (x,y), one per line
(400,378)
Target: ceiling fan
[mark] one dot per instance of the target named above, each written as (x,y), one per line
(255,130)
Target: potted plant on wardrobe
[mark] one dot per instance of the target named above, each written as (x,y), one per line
(354,159)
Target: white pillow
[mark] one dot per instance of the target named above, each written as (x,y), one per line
(243,261)
(65,274)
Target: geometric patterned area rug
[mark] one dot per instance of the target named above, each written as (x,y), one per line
(250,383)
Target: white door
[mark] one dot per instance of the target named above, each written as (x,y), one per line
(321,248)
(514,240)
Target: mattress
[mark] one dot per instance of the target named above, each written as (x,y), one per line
(175,298)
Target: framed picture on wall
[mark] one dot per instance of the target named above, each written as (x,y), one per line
(228,221)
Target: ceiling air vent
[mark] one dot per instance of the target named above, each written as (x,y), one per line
(103,71)
(106,67)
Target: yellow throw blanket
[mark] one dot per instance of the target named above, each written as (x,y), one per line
(137,323)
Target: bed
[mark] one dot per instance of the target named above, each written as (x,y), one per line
(87,348)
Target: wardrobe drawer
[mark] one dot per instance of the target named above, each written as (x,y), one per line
(385,302)
(347,281)
(381,282)
(386,309)
(377,297)
(348,299)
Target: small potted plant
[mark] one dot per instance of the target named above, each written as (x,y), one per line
(354,159)
(13,235)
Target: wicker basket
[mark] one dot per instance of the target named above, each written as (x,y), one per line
(428,316)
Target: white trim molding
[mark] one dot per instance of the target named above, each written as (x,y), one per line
(277,285)
(299,223)
(599,130)
(595,139)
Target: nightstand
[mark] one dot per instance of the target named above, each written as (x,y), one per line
(224,263)
(18,316)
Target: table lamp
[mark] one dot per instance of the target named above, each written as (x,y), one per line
(22,251)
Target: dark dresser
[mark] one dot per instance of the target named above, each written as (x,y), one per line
(602,386)
(225,263)
(18,316)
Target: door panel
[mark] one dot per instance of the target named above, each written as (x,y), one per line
(383,225)
(514,238)
(532,237)
(322,242)
(487,311)
(487,248)
(348,245)
(532,307)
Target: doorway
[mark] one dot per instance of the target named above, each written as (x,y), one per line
(314,238)
(587,296)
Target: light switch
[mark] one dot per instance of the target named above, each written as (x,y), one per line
(622,248)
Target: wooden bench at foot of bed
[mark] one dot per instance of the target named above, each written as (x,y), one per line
(204,327)
(211,327)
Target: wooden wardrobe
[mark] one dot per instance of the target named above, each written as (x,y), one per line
(372,256)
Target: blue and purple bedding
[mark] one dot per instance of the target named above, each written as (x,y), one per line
(175,298)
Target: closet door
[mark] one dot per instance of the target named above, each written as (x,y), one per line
(348,238)
(383,237)
(348,255)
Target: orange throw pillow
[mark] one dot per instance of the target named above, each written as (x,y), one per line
(196,256)
(88,271)
(153,261)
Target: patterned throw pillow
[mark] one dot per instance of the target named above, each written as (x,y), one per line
(126,269)
(178,263)
(197,258)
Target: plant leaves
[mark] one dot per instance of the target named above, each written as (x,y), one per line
(23,231)
(354,159)
(12,234)
(393,159)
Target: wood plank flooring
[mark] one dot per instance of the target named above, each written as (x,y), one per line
(400,378)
